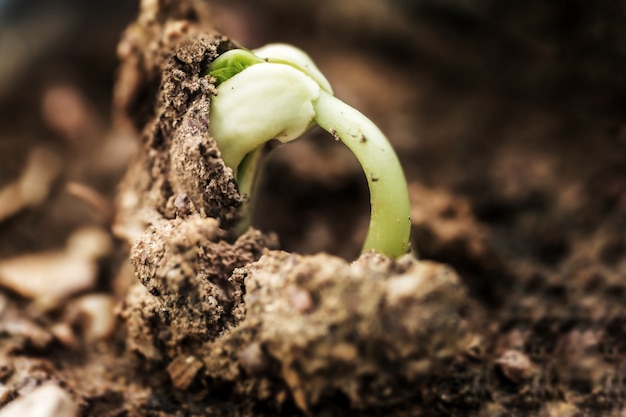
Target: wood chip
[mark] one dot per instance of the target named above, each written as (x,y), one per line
(183,370)
(34,184)
(51,277)
(94,313)
(47,400)
(48,277)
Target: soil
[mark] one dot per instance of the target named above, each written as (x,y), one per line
(126,288)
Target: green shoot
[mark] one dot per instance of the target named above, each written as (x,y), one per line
(278,94)
(232,63)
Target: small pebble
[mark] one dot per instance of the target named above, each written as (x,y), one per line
(515,366)
(252,359)
(300,299)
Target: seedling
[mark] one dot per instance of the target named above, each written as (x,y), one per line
(277,92)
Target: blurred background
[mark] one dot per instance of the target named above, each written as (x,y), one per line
(56,76)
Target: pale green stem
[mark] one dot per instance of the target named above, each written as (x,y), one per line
(246,172)
(280,99)
(390,222)
(246,178)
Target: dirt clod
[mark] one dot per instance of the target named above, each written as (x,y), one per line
(359,340)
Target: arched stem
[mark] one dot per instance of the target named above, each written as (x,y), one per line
(280,97)
(390,223)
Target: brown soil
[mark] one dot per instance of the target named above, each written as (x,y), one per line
(126,289)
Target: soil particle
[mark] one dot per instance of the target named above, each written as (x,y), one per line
(179,156)
(515,366)
(357,335)
(140,312)
(186,266)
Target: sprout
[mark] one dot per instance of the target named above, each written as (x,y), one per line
(277,92)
